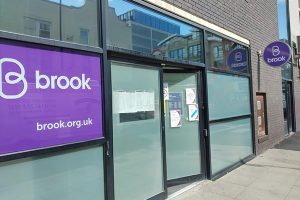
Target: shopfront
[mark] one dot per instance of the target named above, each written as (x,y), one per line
(200,122)
(131,103)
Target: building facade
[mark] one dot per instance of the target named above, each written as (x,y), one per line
(293,24)
(122,100)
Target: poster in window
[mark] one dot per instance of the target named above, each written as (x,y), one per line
(193,112)
(175,101)
(175,118)
(190,96)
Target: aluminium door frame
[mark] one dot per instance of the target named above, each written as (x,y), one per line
(291,108)
(202,126)
(149,63)
(288,85)
(116,57)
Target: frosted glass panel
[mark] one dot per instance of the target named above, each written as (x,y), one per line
(182,143)
(136,132)
(228,96)
(230,142)
(74,175)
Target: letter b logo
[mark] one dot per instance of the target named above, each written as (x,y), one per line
(18,78)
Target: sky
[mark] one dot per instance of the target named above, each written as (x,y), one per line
(122,6)
(74,3)
(282,19)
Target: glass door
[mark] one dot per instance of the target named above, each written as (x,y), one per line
(137,132)
(287,107)
(182,127)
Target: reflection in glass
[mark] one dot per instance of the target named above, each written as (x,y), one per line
(230,143)
(73,3)
(219,50)
(72,175)
(286,71)
(145,31)
(138,163)
(41,18)
(31,17)
(79,21)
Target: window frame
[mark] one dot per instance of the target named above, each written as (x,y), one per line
(177,58)
(115,52)
(6,34)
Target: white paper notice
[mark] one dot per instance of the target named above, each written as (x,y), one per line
(140,100)
(115,101)
(258,105)
(193,112)
(259,121)
(119,101)
(175,118)
(166,91)
(151,101)
(145,101)
(190,96)
(131,102)
(130,106)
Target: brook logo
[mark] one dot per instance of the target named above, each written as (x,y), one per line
(275,50)
(42,81)
(20,77)
(238,57)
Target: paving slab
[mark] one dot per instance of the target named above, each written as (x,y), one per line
(294,194)
(273,175)
(259,194)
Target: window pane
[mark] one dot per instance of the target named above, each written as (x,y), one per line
(136,132)
(146,31)
(228,96)
(74,175)
(79,21)
(286,71)
(182,144)
(226,55)
(230,142)
(31,17)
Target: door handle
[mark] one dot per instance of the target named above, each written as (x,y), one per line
(205,133)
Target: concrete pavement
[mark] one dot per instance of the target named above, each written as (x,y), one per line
(273,175)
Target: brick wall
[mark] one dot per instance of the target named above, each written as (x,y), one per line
(256,21)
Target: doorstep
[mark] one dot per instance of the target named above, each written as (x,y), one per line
(187,188)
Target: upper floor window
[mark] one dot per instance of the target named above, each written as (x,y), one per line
(37,27)
(149,32)
(53,19)
(84,36)
(195,51)
(226,55)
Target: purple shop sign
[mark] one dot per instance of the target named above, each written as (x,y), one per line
(48,97)
(237,59)
(277,54)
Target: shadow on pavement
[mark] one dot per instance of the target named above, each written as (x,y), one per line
(291,143)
